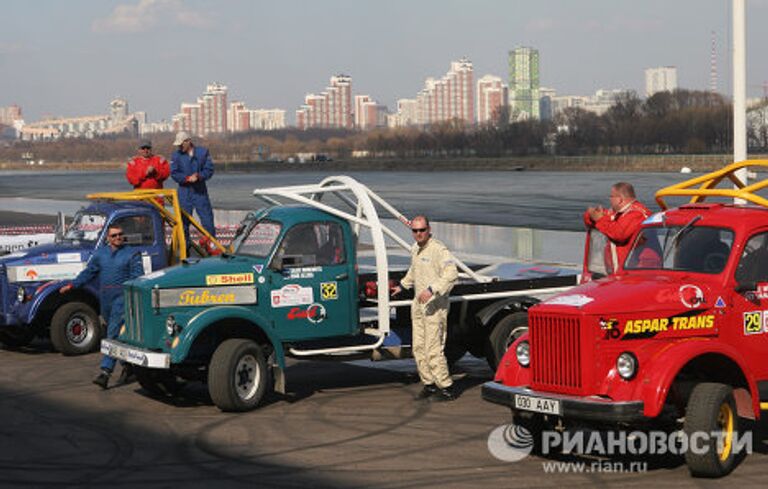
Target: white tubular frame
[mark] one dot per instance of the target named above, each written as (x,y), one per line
(362,200)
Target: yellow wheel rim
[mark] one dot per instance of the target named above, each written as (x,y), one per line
(725,423)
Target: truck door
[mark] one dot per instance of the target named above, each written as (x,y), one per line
(750,331)
(312,284)
(142,232)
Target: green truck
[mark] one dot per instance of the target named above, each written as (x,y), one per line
(308,276)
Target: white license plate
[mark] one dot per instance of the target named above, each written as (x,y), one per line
(537,404)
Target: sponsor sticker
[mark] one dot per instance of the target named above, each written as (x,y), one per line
(68,257)
(691,296)
(720,303)
(315,313)
(329,291)
(206,296)
(258,268)
(292,295)
(35,273)
(576,300)
(303,272)
(229,279)
(753,322)
(762,290)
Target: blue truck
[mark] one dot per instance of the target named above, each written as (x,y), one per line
(30,302)
(300,282)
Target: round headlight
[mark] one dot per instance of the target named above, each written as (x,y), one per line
(523,353)
(626,365)
(21,294)
(170,325)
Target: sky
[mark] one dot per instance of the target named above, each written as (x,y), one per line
(70,58)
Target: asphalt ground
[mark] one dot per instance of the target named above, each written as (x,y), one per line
(344,425)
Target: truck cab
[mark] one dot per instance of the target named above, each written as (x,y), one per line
(30,302)
(679,333)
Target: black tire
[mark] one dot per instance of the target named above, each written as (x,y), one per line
(16,336)
(238,376)
(158,382)
(535,425)
(504,333)
(711,408)
(75,329)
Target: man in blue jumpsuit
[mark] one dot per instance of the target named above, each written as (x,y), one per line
(113,265)
(191,166)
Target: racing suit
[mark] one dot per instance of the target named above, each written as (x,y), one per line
(432,267)
(136,173)
(112,267)
(194,195)
(620,228)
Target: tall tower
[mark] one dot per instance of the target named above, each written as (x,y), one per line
(524,83)
(713,65)
(118,111)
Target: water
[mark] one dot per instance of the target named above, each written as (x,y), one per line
(539,200)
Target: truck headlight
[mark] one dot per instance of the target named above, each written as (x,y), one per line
(626,365)
(21,295)
(170,325)
(523,353)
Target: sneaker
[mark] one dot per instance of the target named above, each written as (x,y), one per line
(442,395)
(426,392)
(126,375)
(102,379)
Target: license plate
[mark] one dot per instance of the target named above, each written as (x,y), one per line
(537,404)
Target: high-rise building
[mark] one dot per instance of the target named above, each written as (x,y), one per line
(8,115)
(407,113)
(207,116)
(524,83)
(332,108)
(546,95)
(492,94)
(661,79)
(449,98)
(118,111)
(238,118)
(369,113)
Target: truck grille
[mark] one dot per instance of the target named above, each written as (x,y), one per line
(556,354)
(133,314)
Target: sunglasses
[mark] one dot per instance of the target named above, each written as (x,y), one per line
(116,235)
(146,147)
(419,230)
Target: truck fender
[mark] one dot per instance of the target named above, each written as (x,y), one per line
(656,384)
(492,313)
(212,315)
(49,293)
(509,371)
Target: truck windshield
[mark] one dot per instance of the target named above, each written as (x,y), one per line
(256,238)
(85,226)
(700,249)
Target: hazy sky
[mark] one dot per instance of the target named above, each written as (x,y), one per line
(72,57)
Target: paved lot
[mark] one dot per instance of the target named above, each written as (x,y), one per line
(343,425)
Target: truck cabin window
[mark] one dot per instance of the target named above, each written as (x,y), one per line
(139,230)
(699,249)
(311,244)
(256,238)
(753,264)
(85,226)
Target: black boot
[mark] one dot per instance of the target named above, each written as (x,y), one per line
(442,395)
(426,392)
(102,380)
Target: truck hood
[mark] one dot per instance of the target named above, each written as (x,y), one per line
(638,294)
(46,262)
(207,272)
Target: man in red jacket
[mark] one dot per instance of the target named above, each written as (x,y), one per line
(146,170)
(620,224)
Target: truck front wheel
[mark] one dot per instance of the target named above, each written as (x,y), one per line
(75,329)
(711,414)
(237,375)
(504,333)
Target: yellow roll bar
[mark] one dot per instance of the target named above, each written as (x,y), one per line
(166,201)
(707,185)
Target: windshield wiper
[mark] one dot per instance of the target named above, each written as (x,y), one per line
(678,235)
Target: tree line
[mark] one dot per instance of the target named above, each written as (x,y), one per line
(682,121)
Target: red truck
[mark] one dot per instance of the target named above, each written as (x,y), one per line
(678,344)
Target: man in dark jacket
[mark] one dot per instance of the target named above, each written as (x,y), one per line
(191,166)
(112,264)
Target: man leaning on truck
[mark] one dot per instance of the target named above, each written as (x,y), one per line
(432,275)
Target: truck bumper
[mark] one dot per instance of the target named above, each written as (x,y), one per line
(565,406)
(134,355)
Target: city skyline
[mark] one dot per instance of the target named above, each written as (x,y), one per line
(157,53)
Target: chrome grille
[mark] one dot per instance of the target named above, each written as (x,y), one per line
(133,314)
(556,353)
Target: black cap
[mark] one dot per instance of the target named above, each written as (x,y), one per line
(146,143)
